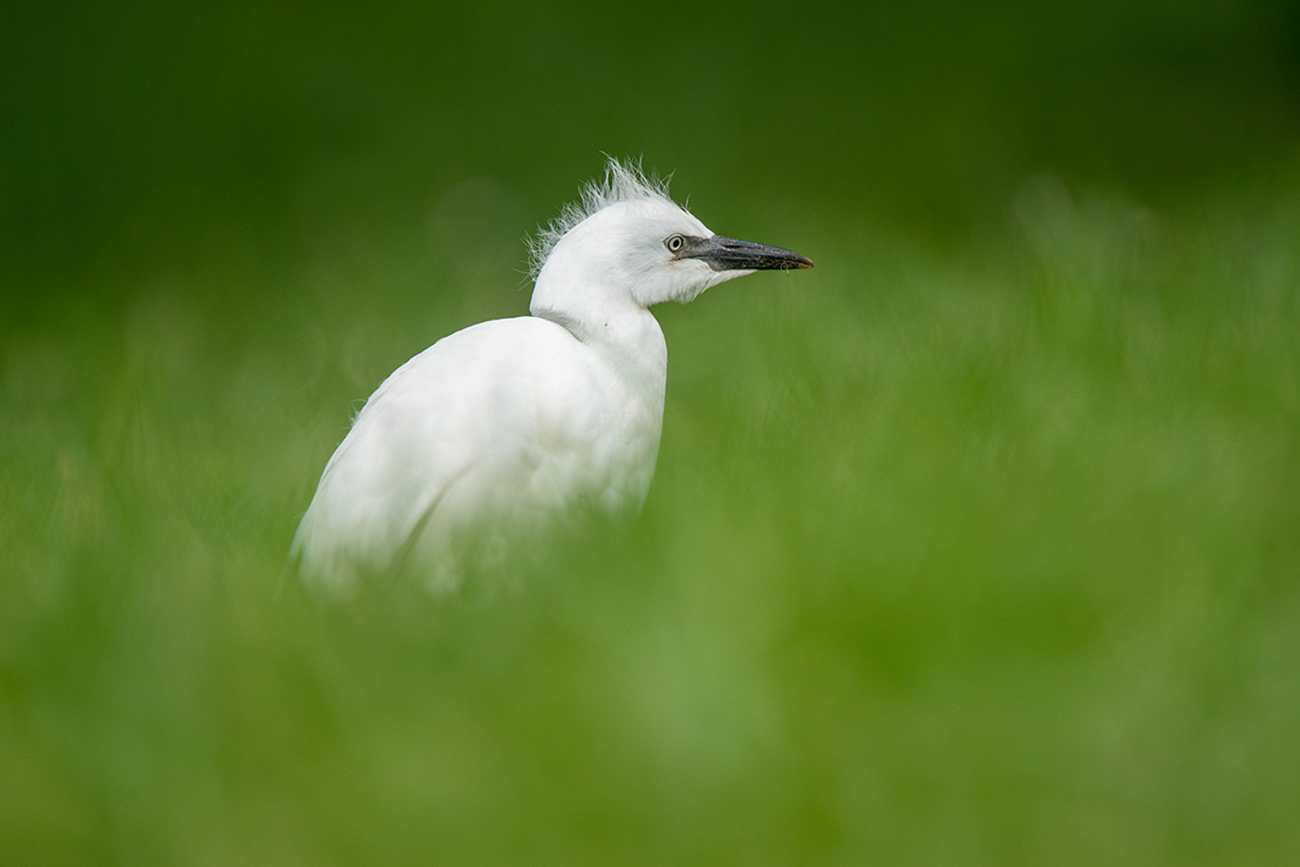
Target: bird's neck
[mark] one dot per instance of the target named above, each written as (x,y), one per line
(622,332)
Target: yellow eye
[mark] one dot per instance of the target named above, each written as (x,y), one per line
(675,243)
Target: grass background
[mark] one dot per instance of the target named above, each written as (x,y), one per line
(976,545)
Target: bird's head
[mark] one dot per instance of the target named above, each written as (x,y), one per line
(629,238)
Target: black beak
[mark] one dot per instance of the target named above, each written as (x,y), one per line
(728,254)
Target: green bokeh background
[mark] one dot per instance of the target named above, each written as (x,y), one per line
(978,544)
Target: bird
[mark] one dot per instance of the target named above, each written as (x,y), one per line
(498,431)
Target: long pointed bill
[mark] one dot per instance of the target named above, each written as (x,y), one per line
(729,254)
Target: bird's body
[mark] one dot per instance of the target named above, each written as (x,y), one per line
(495,426)
(498,430)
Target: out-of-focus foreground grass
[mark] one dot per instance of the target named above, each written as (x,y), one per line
(973,556)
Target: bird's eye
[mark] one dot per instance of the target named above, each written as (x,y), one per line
(675,243)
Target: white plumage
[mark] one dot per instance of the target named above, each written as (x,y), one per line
(491,434)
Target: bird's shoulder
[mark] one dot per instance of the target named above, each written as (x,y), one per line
(480,354)
(501,372)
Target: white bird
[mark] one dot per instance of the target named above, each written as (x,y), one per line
(494,432)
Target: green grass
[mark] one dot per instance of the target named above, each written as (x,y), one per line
(980,556)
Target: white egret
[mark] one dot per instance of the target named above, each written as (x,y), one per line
(494,431)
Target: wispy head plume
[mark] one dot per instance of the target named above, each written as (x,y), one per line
(624,182)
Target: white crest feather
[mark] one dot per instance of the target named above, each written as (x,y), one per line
(624,182)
